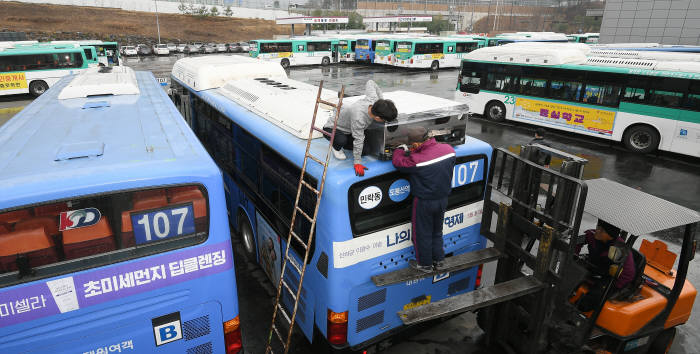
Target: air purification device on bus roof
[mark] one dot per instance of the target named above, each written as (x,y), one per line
(444,119)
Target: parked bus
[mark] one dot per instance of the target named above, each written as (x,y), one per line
(433,53)
(346,50)
(364,49)
(646,104)
(589,38)
(241,114)
(108,53)
(33,69)
(296,51)
(113,231)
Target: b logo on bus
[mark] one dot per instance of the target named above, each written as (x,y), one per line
(167,328)
(74,219)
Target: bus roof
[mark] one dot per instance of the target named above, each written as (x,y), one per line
(571,56)
(269,119)
(55,149)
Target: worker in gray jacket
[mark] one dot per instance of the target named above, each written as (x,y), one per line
(355,118)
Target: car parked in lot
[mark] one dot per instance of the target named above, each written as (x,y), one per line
(233,47)
(221,48)
(172,47)
(245,47)
(191,49)
(129,51)
(144,49)
(208,48)
(161,49)
(181,47)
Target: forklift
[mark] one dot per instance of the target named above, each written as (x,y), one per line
(532,214)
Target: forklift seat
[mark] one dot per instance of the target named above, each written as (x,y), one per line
(633,288)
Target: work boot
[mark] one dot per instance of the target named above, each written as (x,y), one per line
(338,154)
(425,269)
(439,265)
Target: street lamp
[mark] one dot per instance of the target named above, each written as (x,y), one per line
(157,23)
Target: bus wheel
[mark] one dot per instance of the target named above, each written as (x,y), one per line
(435,65)
(496,111)
(246,233)
(36,88)
(325,61)
(662,343)
(641,139)
(285,63)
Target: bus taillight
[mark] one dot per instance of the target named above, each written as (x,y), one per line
(232,336)
(478,276)
(411,60)
(337,330)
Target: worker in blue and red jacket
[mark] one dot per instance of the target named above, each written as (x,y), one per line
(429,165)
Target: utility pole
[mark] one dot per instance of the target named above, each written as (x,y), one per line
(157,23)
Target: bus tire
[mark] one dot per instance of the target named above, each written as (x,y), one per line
(246,233)
(36,88)
(495,111)
(435,65)
(285,63)
(641,138)
(325,61)
(662,343)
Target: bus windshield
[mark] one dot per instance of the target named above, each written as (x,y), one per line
(404,47)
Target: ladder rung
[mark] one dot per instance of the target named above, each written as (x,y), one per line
(281,309)
(328,103)
(293,265)
(309,186)
(322,131)
(279,336)
(299,239)
(316,159)
(307,216)
(294,296)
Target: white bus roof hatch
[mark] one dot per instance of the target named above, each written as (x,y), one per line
(117,80)
(204,73)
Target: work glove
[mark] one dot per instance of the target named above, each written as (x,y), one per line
(403,146)
(360,170)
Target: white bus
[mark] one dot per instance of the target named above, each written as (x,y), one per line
(433,53)
(296,51)
(647,104)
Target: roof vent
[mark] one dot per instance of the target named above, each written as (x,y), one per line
(96,82)
(80,150)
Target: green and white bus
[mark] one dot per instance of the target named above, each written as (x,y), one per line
(296,51)
(107,52)
(590,38)
(645,103)
(33,69)
(433,53)
(346,50)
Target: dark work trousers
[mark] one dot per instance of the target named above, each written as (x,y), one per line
(426,221)
(343,140)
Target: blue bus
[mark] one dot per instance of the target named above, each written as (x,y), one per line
(364,50)
(113,228)
(363,229)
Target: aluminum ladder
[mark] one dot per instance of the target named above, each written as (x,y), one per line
(292,236)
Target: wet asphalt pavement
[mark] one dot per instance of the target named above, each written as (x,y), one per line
(668,176)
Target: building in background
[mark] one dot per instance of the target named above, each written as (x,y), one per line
(651,21)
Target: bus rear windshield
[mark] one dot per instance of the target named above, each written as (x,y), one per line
(66,236)
(28,62)
(363,42)
(385,201)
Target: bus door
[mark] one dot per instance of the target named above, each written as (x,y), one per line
(334,52)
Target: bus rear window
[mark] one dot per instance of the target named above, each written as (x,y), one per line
(404,47)
(69,235)
(385,201)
